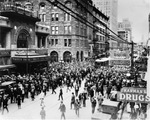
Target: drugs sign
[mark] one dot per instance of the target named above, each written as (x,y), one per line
(133,95)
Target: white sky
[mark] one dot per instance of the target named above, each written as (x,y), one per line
(137,12)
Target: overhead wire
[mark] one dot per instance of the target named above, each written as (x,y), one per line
(81,19)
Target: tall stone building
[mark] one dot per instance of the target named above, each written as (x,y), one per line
(110,8)
(69,37)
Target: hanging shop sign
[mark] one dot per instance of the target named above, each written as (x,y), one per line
(129,94)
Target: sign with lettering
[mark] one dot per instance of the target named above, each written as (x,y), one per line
(34,59)
(118,54)
(5,53)
(119,62)
(133,95)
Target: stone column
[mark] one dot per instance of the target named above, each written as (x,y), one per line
(36,41)
(8,40)
(41,41)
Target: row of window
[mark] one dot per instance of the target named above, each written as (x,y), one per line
(68,42)
(68,30)
(54,17)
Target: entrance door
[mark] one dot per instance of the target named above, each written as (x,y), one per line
(22,41)
(54,56)
(67,56)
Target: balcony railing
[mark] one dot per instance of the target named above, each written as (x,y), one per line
(10,7)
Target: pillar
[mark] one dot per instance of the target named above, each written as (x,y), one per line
(8,40)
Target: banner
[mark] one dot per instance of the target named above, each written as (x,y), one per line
(129,94)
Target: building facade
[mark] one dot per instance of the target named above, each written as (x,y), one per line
(125,30)
(109,8)
(20,37)
(101,36)
(68,39)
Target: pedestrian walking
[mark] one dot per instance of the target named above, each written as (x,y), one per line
(77,107)
(76,90)
(19,101)
(42,95)
(93,103)
(62,110)
(53,88)
(72,101)
(43,113)
(60,94)
(5,104)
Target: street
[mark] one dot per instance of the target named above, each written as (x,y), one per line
(31,109)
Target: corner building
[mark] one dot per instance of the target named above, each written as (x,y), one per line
(69,37)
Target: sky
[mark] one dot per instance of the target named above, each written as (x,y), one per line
(137,12)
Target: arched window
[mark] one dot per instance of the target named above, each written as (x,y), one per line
(67,56)
(68,4)
(42,6)
(54,56)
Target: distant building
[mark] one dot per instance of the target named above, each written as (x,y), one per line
(125,30)
(109,8)
(100,40)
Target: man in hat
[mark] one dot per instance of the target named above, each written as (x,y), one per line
(62,110)
(43,114)
(5,104)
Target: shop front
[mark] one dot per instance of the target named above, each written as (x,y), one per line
(30,62)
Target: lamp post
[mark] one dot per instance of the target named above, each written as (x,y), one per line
(27,64)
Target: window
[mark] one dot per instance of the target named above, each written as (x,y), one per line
(69,43)
(56,30)
(65,42)
(67,17)
(56,41)
(42,6)
(52,42)
(56,17)
(77,29)
(77,42)
(52,17)
(65,29)
(53,29)
(69,29)
(42,17)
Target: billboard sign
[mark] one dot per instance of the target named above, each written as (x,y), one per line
(130,94)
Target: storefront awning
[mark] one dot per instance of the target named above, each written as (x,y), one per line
(102,60)
(30,59)
(7,66)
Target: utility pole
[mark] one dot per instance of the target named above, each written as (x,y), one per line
(132,56)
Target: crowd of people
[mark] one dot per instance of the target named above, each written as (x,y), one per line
(99,83)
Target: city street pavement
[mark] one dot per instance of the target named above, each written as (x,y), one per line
(31,109)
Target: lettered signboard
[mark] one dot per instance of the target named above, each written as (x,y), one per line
(130,94)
